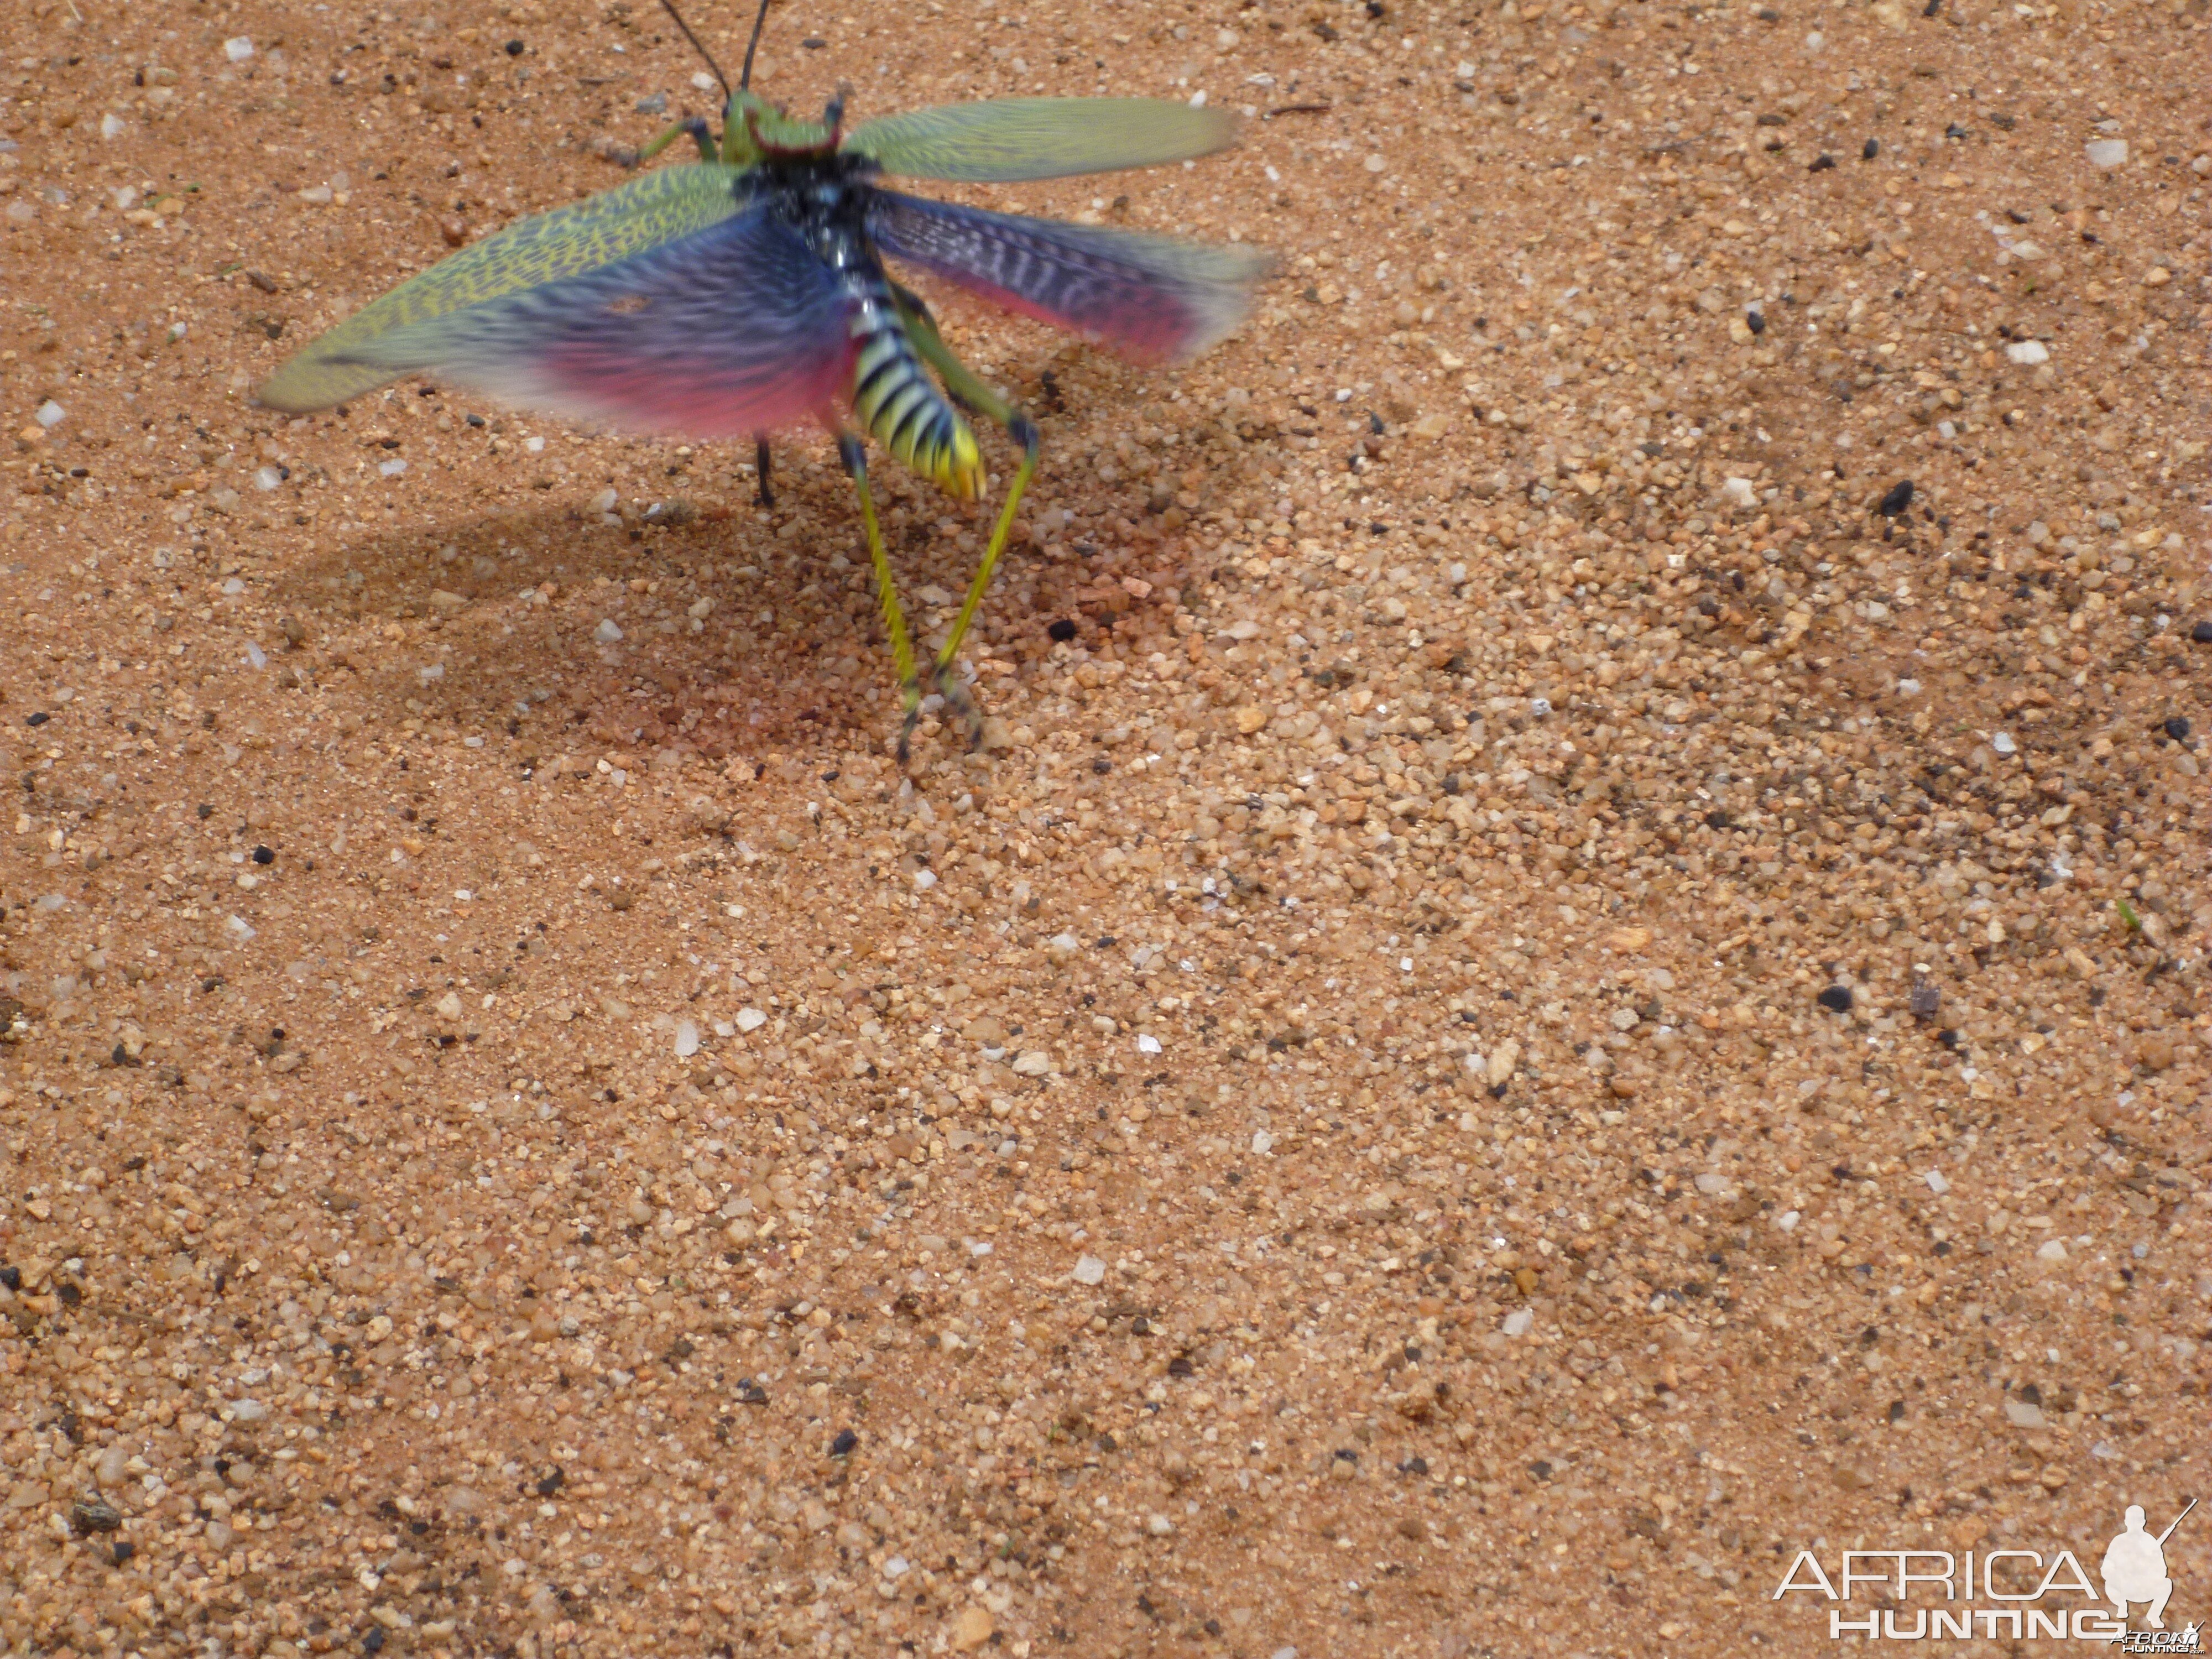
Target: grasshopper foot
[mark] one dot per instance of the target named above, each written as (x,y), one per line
(938,680)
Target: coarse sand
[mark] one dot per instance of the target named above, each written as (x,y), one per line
(1575,962)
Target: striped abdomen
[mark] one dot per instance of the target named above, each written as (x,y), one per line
(898,404)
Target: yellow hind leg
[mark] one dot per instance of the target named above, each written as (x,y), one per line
(855,461)
(965,386)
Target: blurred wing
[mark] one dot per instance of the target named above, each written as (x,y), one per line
(1015,138)
(729,330)
(655,208)
(1151,296)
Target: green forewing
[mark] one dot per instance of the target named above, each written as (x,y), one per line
(1016,138)
(656,208)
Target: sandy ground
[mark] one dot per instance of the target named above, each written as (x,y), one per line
(1557,995)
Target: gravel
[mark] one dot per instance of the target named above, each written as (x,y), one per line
(1490,1000)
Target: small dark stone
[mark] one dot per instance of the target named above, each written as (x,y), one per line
(813,43)
(1900,497)
(1541,1469)
(1181,1366)
(1755,320)
(93,1515)
(553,1482)
(843,1444)
(1873,148)
(1954,130)
(205,811)
(124,1549)
(1822,164)
(1414,1465)
(12,1278)
(750,1393)
(39,718)
(1837,998)
(1060,629)
(1345,1454)
(2177,729)
(1926,1001)
(474,420)
(2202,633)
(373,1642)
(263,855)
(514,49)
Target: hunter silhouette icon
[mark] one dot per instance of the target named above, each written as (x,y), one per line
(2135,1567)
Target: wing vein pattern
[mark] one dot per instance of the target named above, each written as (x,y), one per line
(1006,139)
(1153,296)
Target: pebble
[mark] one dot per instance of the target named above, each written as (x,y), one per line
(237,48)
(2028,353)
(2106,153)
(1474,821)
(2003,744)
(608,632)
(50,415)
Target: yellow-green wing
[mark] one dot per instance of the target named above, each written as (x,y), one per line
(1008,139)
(656,208)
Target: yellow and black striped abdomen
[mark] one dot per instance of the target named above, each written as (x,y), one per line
(899,406)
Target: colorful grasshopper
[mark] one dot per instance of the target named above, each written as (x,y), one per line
(746,292)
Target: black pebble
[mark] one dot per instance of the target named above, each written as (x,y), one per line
(2177,729)
(39,718)
(205,811)
(1061,629)
(12,1278)
(1837,998)
(514,49)
(124,1551)
(843,1444)
(373,1642)
(1755,321)
(474,420)
(814,42)
(1822,164)
(1926,1001)
(2202,633)
(1873,148)
(262,855)
(1900,497)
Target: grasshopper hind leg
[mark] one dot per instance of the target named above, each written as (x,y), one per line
(855,461)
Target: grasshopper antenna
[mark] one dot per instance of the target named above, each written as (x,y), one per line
(746,75)
(708,56)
